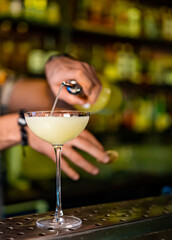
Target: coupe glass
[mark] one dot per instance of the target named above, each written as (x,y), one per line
(57,128)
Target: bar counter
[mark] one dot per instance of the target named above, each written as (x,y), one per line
(140,219)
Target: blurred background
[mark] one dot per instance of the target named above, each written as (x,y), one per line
(130,45)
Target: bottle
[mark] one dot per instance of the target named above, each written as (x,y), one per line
(16,8)
(53,13)
(109,99)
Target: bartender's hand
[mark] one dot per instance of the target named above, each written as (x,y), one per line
(88,143)
(62,69)
(85,141)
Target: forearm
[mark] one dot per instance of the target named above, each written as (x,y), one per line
(30,94)
(9,131)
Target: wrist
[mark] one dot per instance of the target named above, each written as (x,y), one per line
(22,124)
(9,131)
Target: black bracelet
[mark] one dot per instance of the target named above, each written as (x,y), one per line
(59,55)
(22,123)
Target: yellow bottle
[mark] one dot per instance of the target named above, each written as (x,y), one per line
(109,99)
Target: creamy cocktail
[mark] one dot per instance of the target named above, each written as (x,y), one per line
(57,128)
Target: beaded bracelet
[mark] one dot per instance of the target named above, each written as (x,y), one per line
(22,123)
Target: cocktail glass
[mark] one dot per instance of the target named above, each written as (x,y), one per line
(57,128)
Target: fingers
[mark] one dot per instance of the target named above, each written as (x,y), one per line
(91,87)
(45,148)
(86,142)
(90,148)
(78,160)
(72,99)
(89,81)
(70,172)
(96,86)
(63,69)
(89,136)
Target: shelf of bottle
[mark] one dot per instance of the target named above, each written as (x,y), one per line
(131,130)
(144,87)
(88,28)
(40,24)
(108,32)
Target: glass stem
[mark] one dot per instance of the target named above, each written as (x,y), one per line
(58,211)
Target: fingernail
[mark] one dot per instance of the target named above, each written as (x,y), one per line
(106,159)
(86,105)
(95,171)
(76,177)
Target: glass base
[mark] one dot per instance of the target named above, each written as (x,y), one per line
(49,222)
